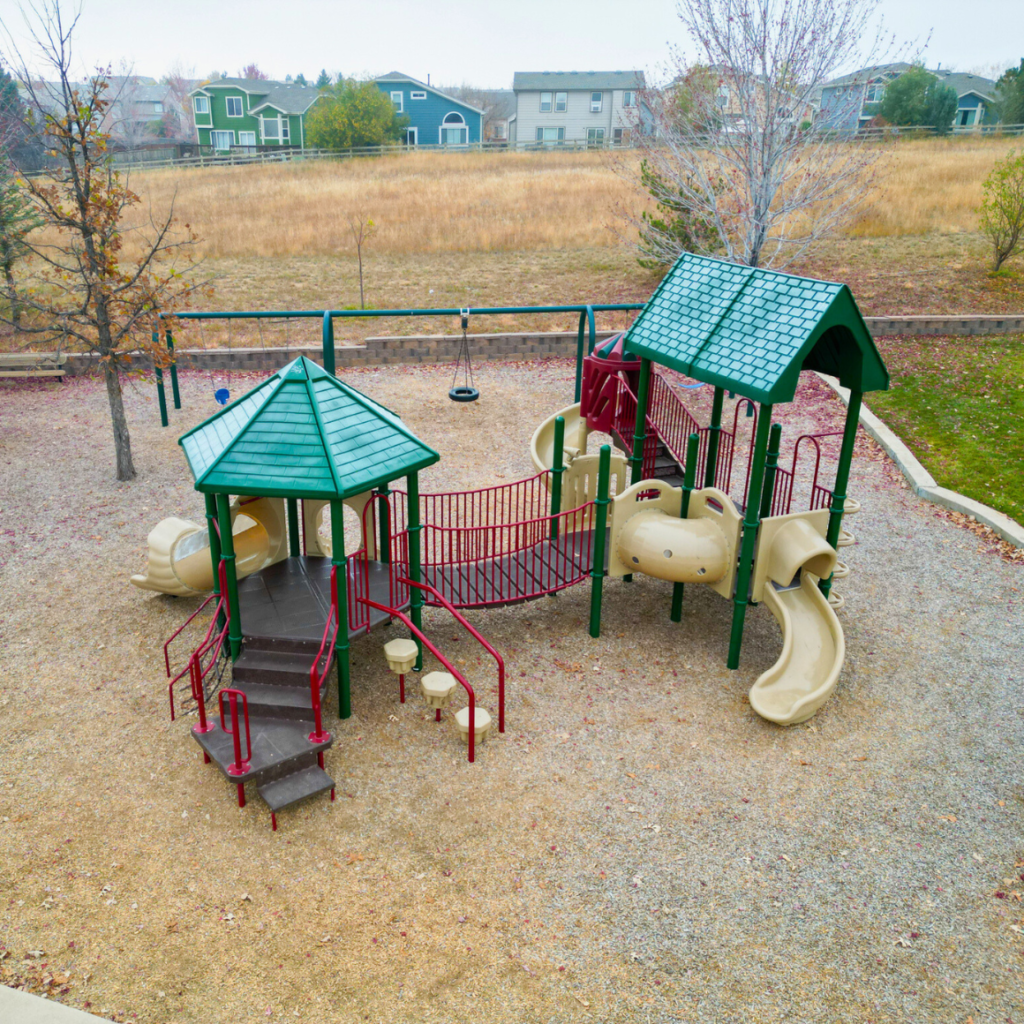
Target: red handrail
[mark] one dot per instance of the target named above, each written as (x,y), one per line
(239,767)
(316,678)
(480,639)
(167,644)
(401,616)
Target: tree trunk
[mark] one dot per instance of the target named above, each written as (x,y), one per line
(12,295)
(122,441)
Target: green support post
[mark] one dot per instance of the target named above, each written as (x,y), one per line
(211,526)
(751,521)
(294,542)
(768,492)
(328,343)
(714,433)
(227,554)
(597,570)
(557,469)
(586,321)
(640,429)
(175,393)
(384,527)
(161,395)
(413,529)
(340,562)
(835,518)
(689,479)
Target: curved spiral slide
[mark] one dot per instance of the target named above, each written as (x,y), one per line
(179,550)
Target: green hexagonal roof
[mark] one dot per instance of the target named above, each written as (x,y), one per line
(752,331)
(302,434)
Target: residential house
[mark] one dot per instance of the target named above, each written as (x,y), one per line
(500,117)
(435,118)
(233,112)
(595,107)
(848,102)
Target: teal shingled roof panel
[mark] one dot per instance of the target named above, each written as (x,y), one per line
(753,330)
(302,433)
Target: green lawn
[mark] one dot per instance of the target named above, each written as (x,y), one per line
(959,405)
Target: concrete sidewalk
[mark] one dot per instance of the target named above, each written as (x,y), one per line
(22,1008)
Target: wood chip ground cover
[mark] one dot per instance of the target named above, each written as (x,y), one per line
(638,846)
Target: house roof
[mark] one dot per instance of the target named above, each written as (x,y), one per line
(532,81)
(397,76)
(864,75)
(286,97)
(961,82)
(964,83)
(753,330)
(302,433)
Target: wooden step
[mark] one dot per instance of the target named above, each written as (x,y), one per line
(290,789)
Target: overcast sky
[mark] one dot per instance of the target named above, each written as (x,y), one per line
(478,42)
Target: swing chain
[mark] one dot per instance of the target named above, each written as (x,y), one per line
(467,392)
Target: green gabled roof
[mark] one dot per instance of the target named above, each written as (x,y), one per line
(752,331)
(302,434)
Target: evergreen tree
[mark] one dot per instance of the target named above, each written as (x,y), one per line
(1010,95)
(301,80)
(940,106)
(323,80)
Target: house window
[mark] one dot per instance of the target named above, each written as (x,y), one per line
(874,92)
(158,108)
(620,136)
(629,98)
(396,98)
(285,130)
(412,136)
(234,106)
(561,101)
(417,95)
(454,131)
(247,138)
(595,136)
(271,128)
(201,104)
(545,103)
(550,135)
(222,140)
(498,131)
(596,102)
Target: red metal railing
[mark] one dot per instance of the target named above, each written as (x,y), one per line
(460,678)
(240,766)
(818,496)
(316,675)
(208,652)
(480,639)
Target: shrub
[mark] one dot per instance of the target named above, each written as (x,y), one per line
(1002,208)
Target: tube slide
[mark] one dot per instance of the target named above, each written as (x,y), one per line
(674,549)
(179,550)
(542,445)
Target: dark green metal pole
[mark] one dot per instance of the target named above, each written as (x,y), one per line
(340,562)
(769,470)
(328,343)
(597,570)
(211,526)
(227,554)
(384,527)
(175,393)
(640,429)
(580,350)
(750,524)
(835,519)
(689,479)
(294,542)
(161,395)
(557,469)
(414,528)
(714,433)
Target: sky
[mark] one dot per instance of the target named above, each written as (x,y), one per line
(455,42)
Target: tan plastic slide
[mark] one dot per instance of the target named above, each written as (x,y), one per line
(813,647)
(179,550)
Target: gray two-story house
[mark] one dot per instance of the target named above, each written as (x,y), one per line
(594,107)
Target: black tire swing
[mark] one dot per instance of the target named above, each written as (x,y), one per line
(464,392)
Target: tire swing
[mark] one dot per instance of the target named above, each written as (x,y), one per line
(464,392)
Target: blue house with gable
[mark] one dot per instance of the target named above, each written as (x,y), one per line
(435,119)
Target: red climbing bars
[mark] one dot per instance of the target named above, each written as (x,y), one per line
(240,766)
(480,639)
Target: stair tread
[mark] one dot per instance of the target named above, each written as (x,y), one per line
(297,786)
(275,661)
(274,740)
(284,696)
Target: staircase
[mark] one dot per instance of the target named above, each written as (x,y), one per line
(272,678)
(665,466)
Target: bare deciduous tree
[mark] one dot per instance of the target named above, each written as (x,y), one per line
(363,229)
(180,123)
(732,149)
(95,279)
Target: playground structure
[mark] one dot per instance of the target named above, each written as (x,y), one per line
(674,505)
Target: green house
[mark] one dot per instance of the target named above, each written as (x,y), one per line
(244,112)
